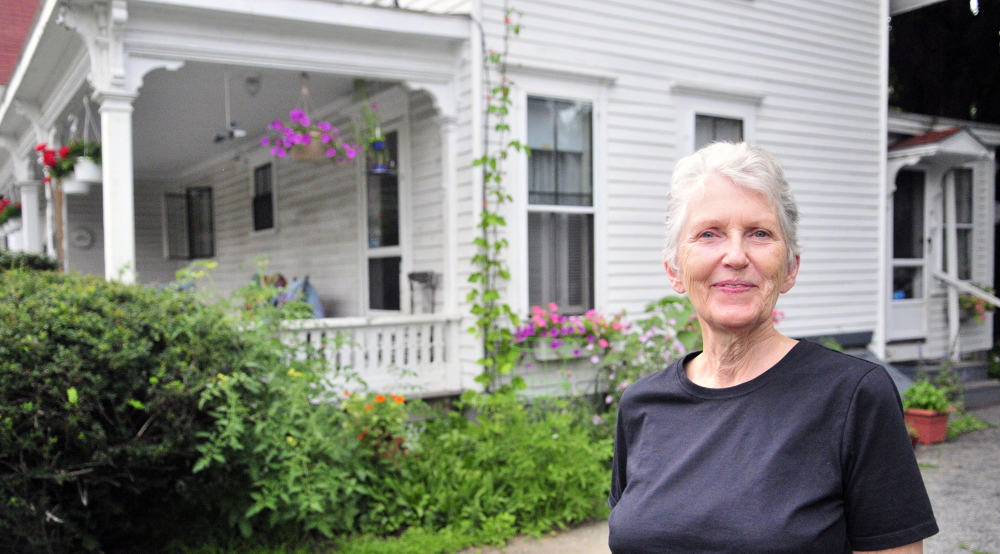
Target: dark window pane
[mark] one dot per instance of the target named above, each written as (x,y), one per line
(709,129)
(964,254)
(908,215)
(178,246)
(560,169)
(560,260)
(263,199)
(383,283)
(383,200)
(907,282)
(963,195)
(201,233)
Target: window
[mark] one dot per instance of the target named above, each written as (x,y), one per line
(384,252)
(189,224)
(963,223)
(263,197)
(709,129)
(560,204)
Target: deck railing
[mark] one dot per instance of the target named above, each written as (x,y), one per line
(414,354)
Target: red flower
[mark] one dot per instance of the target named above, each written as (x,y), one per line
(41,146)
(49,158)
(47,180)
(63,152)
(361,436)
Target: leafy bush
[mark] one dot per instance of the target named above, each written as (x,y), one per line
(961,424)
(924,395)
(513,469)
(26,260)
(100,385)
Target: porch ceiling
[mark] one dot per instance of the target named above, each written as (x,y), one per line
(178,113)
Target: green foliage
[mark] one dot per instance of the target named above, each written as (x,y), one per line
(924,395)
(513,469)
(494,318)
(375,415)
(27,261)
(100,385)
(961,424)
(669,330)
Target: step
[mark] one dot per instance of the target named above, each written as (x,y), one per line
(982,393)
(969,371)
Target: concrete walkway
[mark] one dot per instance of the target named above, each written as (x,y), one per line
(962,478)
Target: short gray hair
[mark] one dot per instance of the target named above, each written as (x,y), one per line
(750,167)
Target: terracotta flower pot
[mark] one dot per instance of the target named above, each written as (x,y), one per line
(931,426)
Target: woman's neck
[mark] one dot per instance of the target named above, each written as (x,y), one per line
(729,359)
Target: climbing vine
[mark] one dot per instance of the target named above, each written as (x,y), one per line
(495,320)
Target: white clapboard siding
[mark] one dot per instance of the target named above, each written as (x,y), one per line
(816,67)
(438,6)
(84,212)
(427,194)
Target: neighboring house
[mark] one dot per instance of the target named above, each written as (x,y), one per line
(608,96)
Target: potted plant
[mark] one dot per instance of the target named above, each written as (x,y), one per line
(307,140)
(378,421)
(76,165)
(10,215)
(368,129)
(926,410)
(974,307)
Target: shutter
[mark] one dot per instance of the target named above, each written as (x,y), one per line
(175,227)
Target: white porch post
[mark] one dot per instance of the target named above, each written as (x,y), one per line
(951,248)
(119,205)
(31,209)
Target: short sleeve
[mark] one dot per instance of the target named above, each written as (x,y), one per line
(618,465)
(885,501)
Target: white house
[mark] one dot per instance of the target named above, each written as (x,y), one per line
(608,95)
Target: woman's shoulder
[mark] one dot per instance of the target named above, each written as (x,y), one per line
(656,383)
(834,366)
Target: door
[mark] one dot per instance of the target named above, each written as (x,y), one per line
(908,307)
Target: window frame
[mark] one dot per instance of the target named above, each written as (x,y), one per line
(255,160)
(184,195)
(693,100)
(394,113)
(571,87)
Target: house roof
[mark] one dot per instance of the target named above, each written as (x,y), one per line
(19,16)
(929,137)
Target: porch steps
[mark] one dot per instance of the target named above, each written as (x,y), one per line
(980,390)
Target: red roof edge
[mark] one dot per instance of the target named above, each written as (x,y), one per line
(929,137)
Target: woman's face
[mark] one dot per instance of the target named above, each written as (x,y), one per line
(732,259)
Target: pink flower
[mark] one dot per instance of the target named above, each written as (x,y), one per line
(265,141)
(350,152)
(595,359)
(603,343)
(553,307)
(539,320)
(325,138)
(331,152)
(617,326)
(277,125)
(537,310)
(374,106)
(324,126)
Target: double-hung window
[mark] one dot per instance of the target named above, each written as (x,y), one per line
(560,204)
(963,223)
(189,224)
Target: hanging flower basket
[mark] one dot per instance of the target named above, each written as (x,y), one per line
(88,171)
(10,216)
(13,224)
(71,185)
(310,151)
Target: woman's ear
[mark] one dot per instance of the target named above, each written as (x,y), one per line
(675,279)
(789,282)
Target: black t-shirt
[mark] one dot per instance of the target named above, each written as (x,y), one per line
(810,456)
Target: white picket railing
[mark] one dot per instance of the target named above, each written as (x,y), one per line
(408,354)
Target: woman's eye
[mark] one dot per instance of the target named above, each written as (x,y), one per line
(761,234)
(707,234)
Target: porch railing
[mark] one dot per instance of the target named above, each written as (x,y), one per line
(966,288)
(408,354)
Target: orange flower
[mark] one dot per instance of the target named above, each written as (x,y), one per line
(347,393)
(380,398)
(368,406)
(361,436)
(398,398)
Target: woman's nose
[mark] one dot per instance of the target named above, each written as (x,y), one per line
(736,254)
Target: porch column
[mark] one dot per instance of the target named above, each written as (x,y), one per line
(951,248)
(119,203)
(31,210)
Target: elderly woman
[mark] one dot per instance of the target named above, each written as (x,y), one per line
(760,442)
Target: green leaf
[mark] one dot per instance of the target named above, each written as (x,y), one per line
(71,395)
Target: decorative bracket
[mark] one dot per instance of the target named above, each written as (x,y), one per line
(33,114)
(442,96)
(21,165)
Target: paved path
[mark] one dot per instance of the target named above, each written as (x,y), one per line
(962,477)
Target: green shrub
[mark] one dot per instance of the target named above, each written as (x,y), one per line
(961,424)
(923,395)
(99,413)
(513,469)
(26,260)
